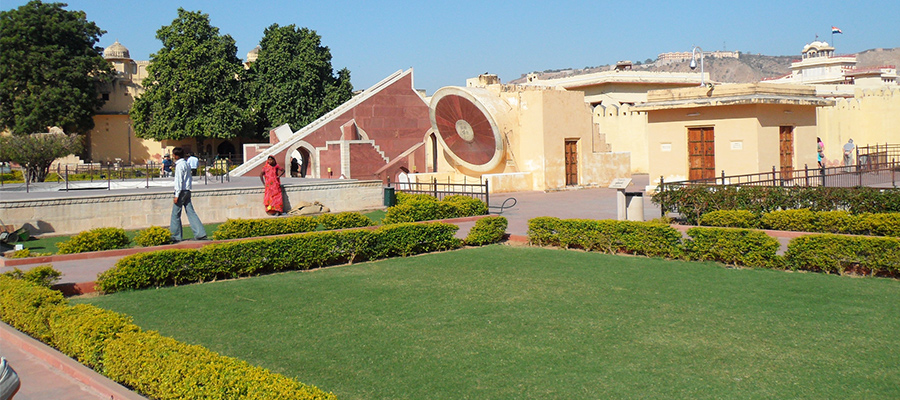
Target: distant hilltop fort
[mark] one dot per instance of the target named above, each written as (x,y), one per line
(681,56)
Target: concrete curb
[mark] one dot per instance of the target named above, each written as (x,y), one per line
(66,365)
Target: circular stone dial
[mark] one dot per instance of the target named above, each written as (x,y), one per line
(465,129)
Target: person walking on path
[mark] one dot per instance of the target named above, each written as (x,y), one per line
(848,153)
(820,150)
(183,184)
(271,178)
(194,163)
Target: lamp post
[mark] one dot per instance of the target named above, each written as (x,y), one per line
(694,62)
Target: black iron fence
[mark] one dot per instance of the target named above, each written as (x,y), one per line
(877,154)
(476,189)
(874,171)
(208,172)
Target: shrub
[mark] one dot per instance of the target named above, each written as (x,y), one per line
(486,231)
(544,231)
(695,200)
(27,307)
(609,236)
(733,246)
(250,257)
(730,218)
(881,224)
(153,236)
(837,253)
(420,207)
(83,331)
(403,197)
(802,220)
(24,253)
(467,206)
(153,269)
(242,228)
(164,368)
(42,275)
(344,220)
(95,240)
(419,210)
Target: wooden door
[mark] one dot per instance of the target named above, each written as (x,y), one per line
(786,149)
(571,162)
(701,153)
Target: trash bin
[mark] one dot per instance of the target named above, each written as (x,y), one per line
(634,206)
(390,198)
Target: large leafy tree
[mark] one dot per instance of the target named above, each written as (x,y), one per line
(50,68)
(37,151)
(292,80)
(192,87)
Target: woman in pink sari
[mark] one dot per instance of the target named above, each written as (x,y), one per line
(271,178)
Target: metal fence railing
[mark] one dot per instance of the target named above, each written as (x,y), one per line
(478,189)
(208,172)
(873,171)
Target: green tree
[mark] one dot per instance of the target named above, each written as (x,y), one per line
(292,80)
(192,87)
(49,69)
(37,151)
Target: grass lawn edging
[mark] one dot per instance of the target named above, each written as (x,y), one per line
(153,365)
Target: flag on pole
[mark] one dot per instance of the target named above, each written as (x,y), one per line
(835,29)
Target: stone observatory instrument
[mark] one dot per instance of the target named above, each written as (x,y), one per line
(470,124)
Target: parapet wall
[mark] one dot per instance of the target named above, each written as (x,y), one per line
(71,214)
(871,116)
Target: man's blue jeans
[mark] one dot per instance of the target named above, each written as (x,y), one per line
(193,219)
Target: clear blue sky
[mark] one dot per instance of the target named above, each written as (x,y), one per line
(449,41)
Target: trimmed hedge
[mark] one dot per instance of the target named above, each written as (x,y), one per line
(608,236)
(27,307)
(733,246)
(487,230)
(828,253)
(805,220)
(42,275)
(836,253)
(153,236)
(695,200)
(423,207)
(155,366)
(252,257)
(83,332)
(98,239)
(242,228)
(730,219)
(164,368)
(344,220)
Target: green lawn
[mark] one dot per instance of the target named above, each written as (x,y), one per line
(501,322)
(48,244)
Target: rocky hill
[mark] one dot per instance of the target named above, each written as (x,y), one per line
(745,69)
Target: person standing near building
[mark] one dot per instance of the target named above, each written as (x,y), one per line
(820,149)
(166,166)
(848,153)
(183,184)
(194,163)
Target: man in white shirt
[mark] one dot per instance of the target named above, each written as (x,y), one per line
(194,163)
(183,184)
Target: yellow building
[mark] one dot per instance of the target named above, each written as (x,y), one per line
(519,138)
(701,133)
(113,140)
